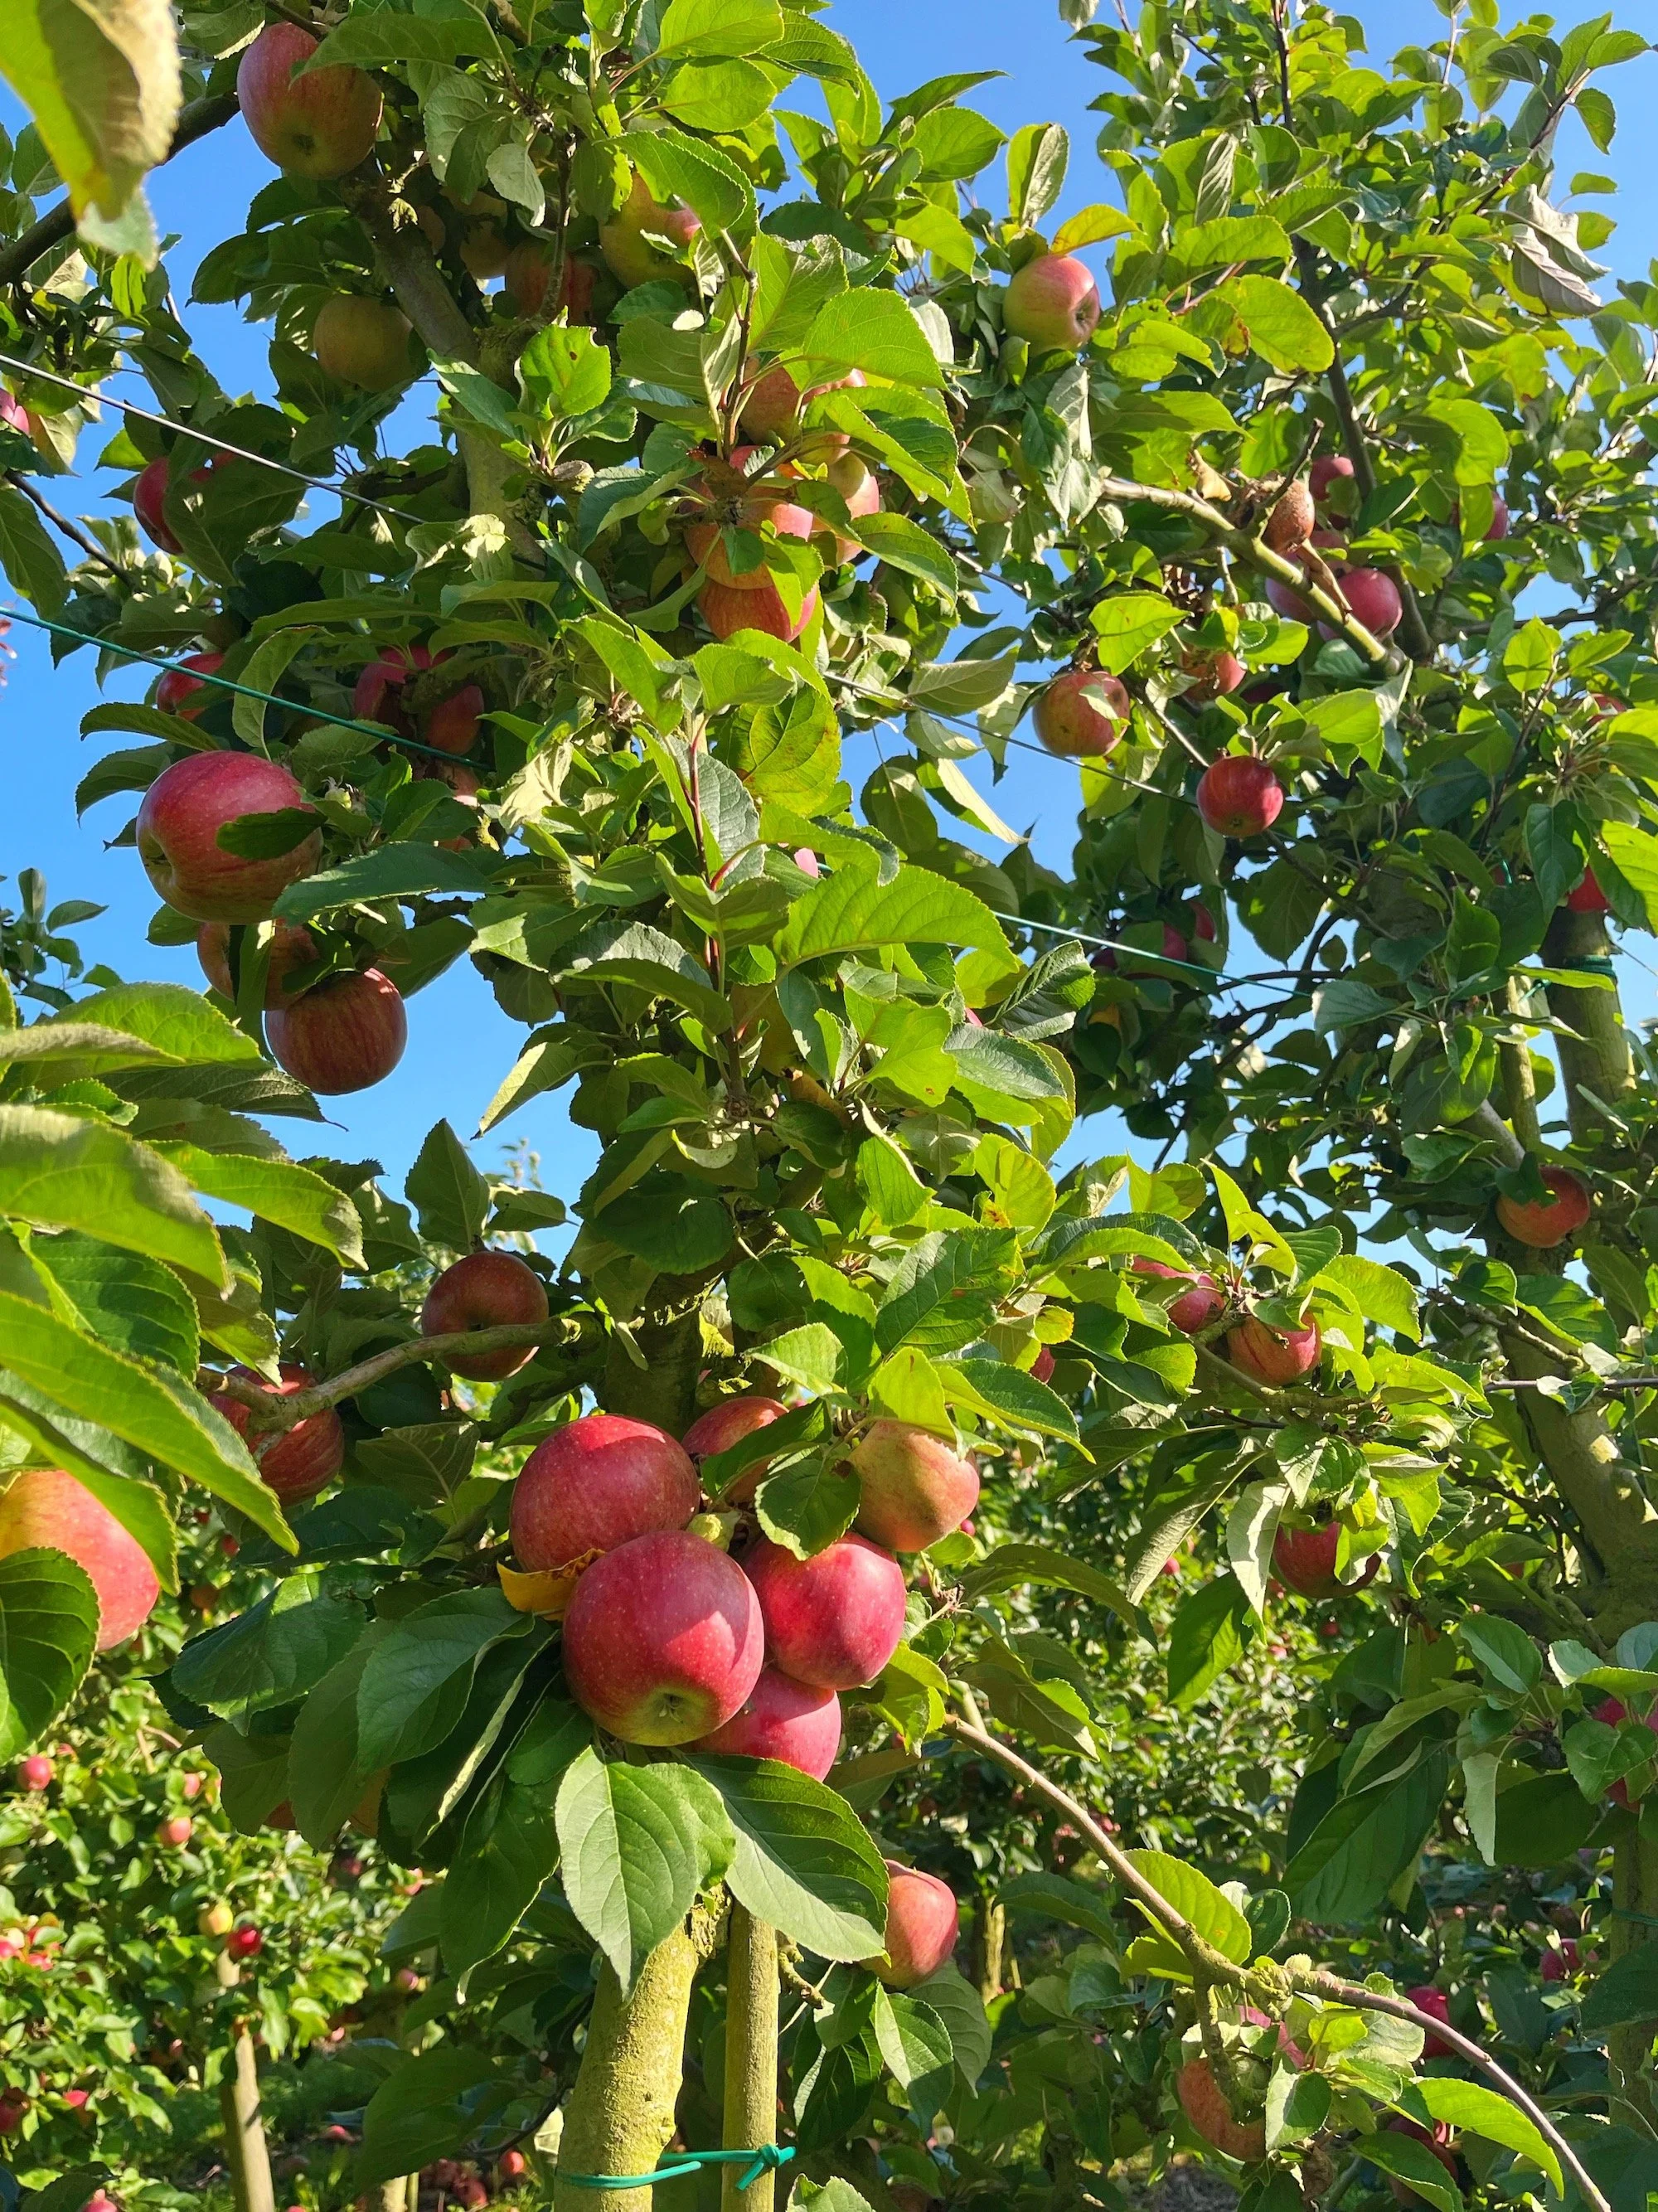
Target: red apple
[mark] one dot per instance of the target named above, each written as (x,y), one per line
(304,1459)
(35,1772)
(1194,1310)
(1588,897)
(43,1508)
(452,724)
(596,1483)
(344,1034)
(833,1621)
(371,695)
(1373,598)
(1240,796)
(513,2165)
(486,1290)
(727,612)
(1207,2108)
(1290,522)
(245,1942)
(1426,1998)
(179,824)
(664,1641)
(1175,946)
(149,502)
(1304,1560)
(785,1720)
(732,501)
(528,270)
(318,126)
(1545,1222)
(1202,925)
(177,1832)
(1612,1711)
(1285,600)
(1213,674)
(914,1489)
(771,412)
(1273,1355)
(922,1921)
(13,416)
(362,342)
(13,2105)
(1052,303)
(1327,473)
(177,685)
(629,253)
(1082,714)
(725,1424)
(291,947)
(1043,1368)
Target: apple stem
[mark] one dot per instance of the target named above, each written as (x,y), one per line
(751,2007)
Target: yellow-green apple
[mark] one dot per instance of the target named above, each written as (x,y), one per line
(663,1641)
(1273,1355)
(1052,303)
(832,1620)
(362,342)
(291,947)
(771,412)
(725,1424)
(860,489)
(304,1459)
(922,1920)
(1082,714)
(44,1509)
(318,126)
(596,1483)
(912,1488)
(179,824)
(215,1919)
(785,1720)
(1239,796)
(486,1290)
(1544,1222)
(623,240)
(344,1034)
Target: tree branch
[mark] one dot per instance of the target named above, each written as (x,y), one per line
(1312,1981)
(201,117)
(273,1414)
(72,530)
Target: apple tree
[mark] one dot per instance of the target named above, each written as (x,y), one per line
(704,1606)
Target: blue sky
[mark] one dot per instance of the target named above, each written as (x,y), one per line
(459,1044)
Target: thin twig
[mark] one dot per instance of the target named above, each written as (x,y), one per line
(273,1414)
(72,530)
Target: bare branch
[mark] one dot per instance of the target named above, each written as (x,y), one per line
(273,1414)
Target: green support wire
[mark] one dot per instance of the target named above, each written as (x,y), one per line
(765,2160)
(381,734)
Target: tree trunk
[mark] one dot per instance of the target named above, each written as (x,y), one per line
(664,1389)
(751,2116)
(1594,1060)
(620,2118)
(244,2120)
(1634,1891)
(990,1941)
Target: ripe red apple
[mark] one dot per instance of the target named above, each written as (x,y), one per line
(1175,946)
(914,1489)
(1272,1355)
(727,612)
(512,2165)
(1542,1224)
(35,1772)
(785,1720)
(1082,714)
(629,253)
(176,686)
(1328,479)
(1240,796)
(1426,1998)
(771,413)
(1213,674)
(596,1483)
(1290,522)
(452,724)
(13,416)
(1052,303)
(732,501)
(318,126)
(245,1942)
(1304,1560)
(1043,1368)
(1207,2108)
(922,1923)
(1194,1310)
(344,1034)
(149,497)
(179,824)
(833,1621)
(1202,925)
(177,1832)
(362,342)
(486,1290)
(372,699)
(1588,897)
(1373,598)
(725,1424)
(305,1458)
(43,1508)
(291,947)
(861,490)
(664,1640)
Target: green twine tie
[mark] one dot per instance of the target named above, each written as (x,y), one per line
(766,2159)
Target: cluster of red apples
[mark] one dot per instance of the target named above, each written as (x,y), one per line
(670,1639)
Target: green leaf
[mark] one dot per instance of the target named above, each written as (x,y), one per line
(805,1507)
(135,1304)
(1010,1397)
(804,1862)
(1625,1996)
(852,912)
(400,871)
(509,1847)
(63,1171)
(633,952)
(102,89)
(1414,2162)
(1128,623)
(873,331)
(1011,1566)
(166,1420)
(275,1652)
(678,167)
(1037,157)
(447,1192)
(718,27)
(1346,1866)
(48,1632)
(566,370)
(1504,1650)
(1283,329)
(434,2103)
(1196,1898)
(1481,2111)
(326,1777)
(175,1021)
(415,1686)
(376,37)
(636,1844)
(901,543)
(914,2043)
(1381,1294)
(1210,1632)
(679,1229)
(27,555)
(281,1192)
(950,1995)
